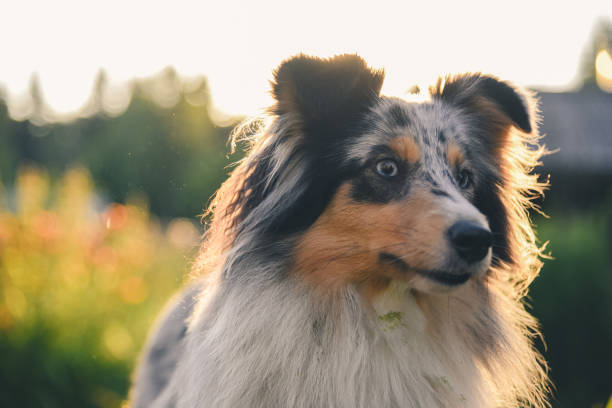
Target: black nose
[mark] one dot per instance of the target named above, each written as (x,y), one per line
(470,240)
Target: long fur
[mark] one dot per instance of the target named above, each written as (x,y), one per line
(263,335)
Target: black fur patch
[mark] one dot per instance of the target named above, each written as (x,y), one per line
(321,177)
(428,178)
(449,177)
(488,202)
(398,116)
(323,90)
(439,193)
(441,136)
(327,178)
(461,91)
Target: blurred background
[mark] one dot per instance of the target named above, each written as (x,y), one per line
(114,119)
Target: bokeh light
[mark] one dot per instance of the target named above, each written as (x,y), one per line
(603,67)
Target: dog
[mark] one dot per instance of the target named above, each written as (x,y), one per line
(367,252)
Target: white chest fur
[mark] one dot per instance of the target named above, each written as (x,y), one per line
(280,347)
(435,360)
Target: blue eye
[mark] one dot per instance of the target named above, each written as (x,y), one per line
(387,168)
(464,179)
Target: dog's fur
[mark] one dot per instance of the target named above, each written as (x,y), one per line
(323,283)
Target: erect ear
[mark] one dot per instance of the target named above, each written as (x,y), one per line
(473,91)
(321,89)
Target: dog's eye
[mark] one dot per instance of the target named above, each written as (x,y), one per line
(464,178)
(387,168)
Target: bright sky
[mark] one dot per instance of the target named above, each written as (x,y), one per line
(237,44)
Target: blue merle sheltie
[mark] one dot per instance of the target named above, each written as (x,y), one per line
(367,252)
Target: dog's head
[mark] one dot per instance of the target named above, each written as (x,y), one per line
(371,188)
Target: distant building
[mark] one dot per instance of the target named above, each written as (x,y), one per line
(579,124)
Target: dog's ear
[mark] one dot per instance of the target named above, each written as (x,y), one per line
(324,89)
(487,97)
(493,108)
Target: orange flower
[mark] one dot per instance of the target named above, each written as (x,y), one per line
(115,217)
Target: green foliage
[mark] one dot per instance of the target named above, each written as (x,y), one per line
(81,280)
(172,153)
(78,291)
(573,300)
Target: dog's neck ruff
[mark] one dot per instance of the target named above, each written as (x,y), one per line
(281,345)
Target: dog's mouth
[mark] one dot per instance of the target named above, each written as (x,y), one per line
(444,277)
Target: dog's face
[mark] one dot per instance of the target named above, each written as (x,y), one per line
(376,188)
(406,211)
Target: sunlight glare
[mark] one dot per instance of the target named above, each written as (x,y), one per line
(603,70)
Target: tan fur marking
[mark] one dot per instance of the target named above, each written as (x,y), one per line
(345,243)
(454,154)
(499,123)
(406,148)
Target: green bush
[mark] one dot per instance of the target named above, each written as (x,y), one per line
(79,290)
(573,300)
